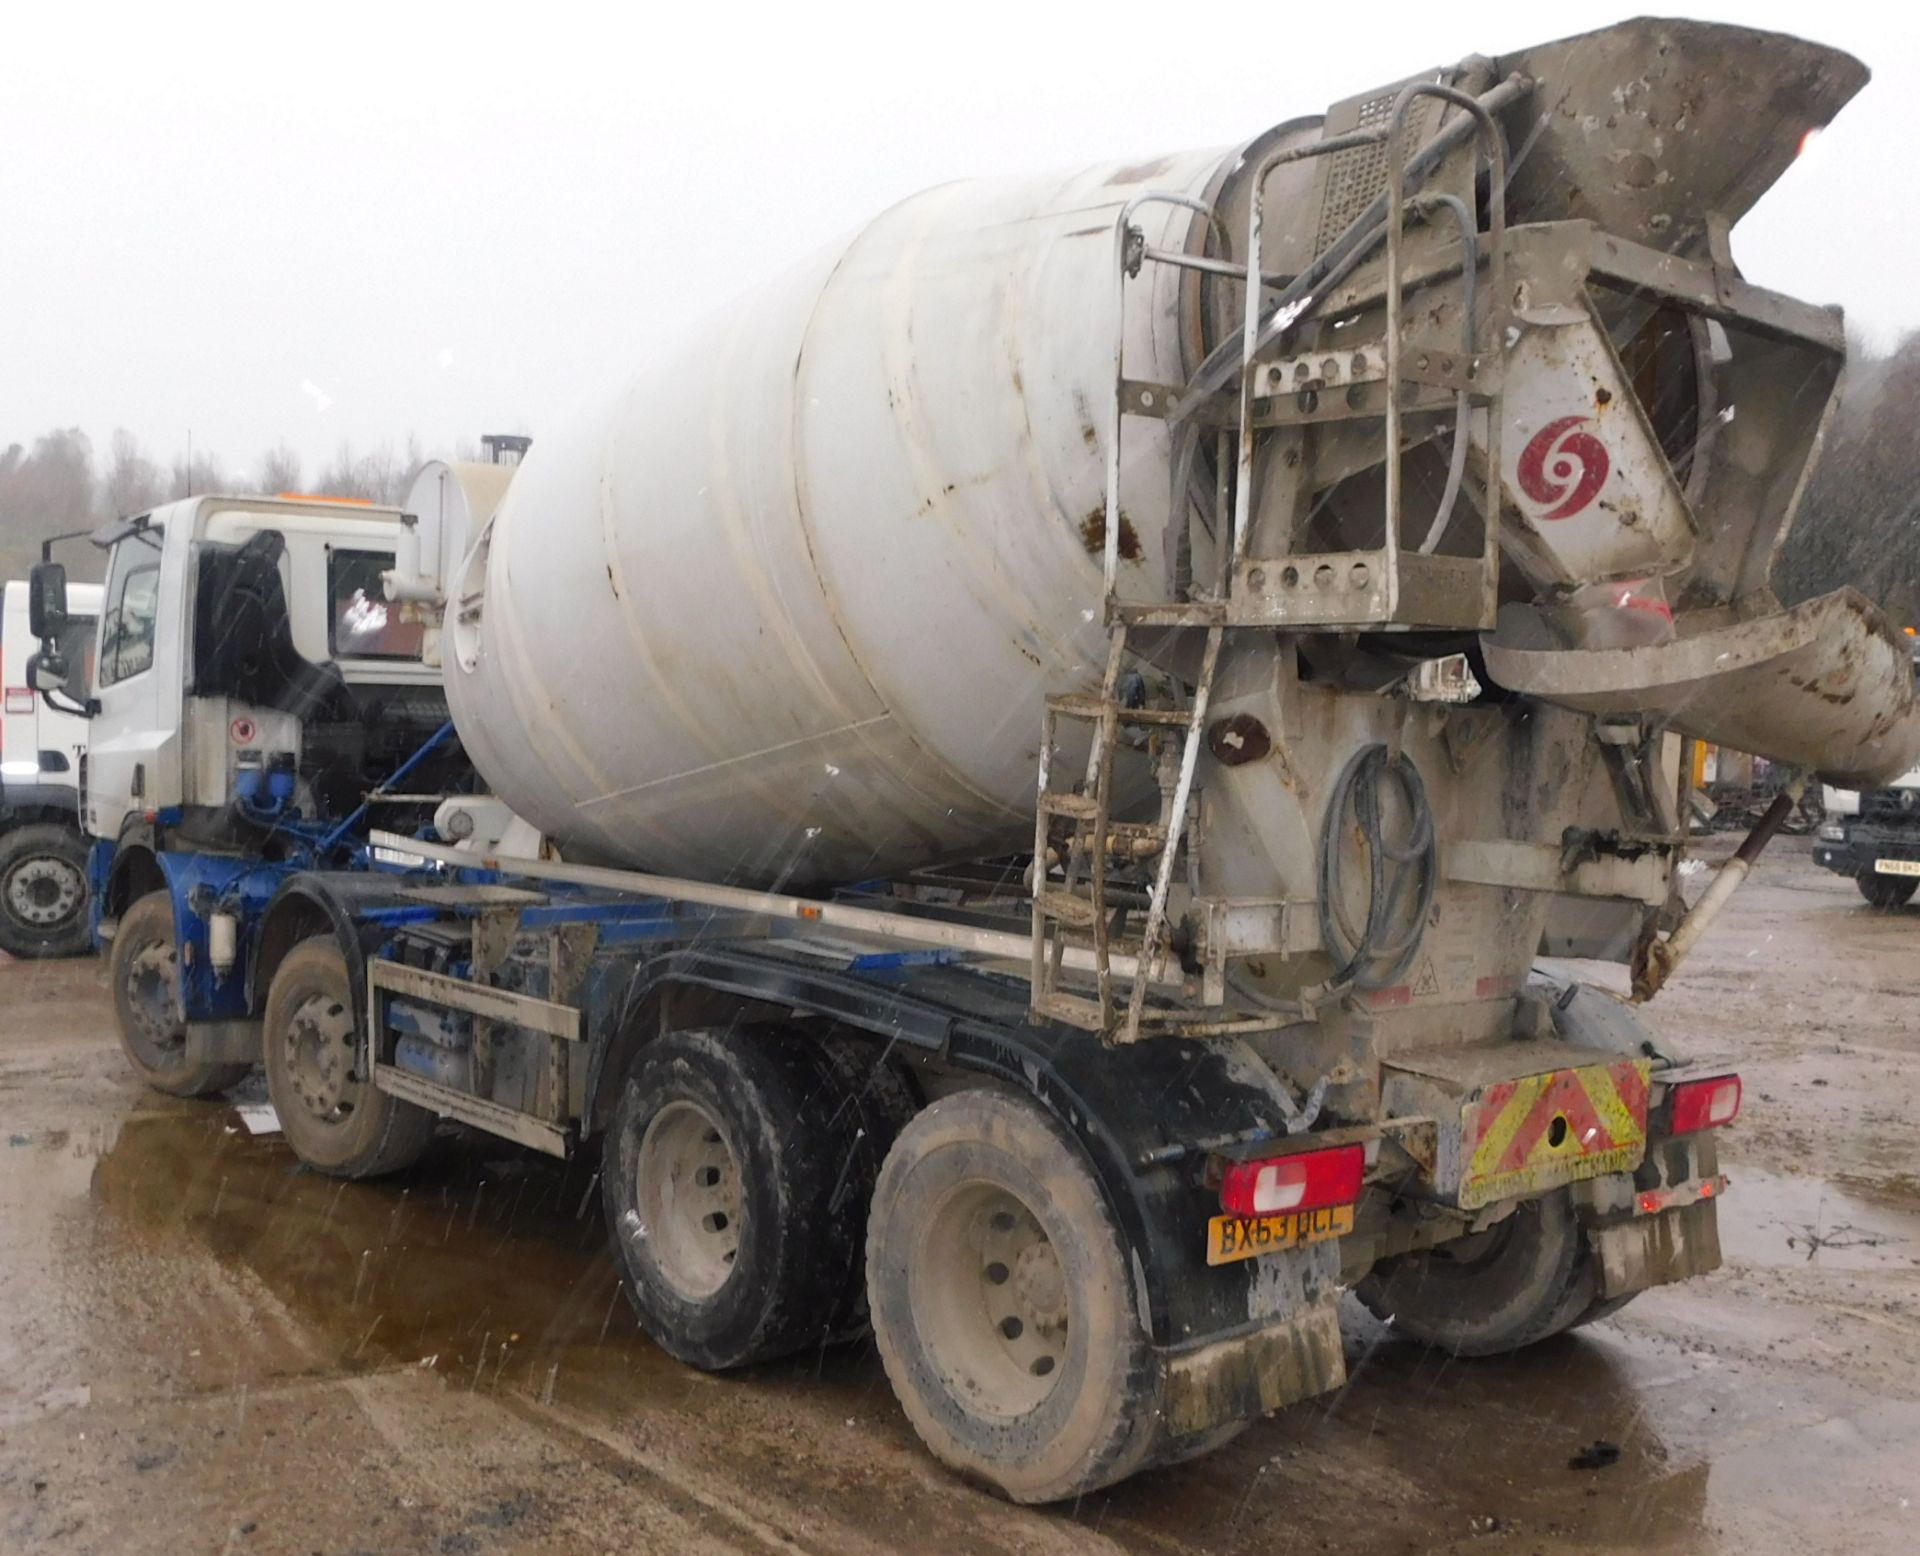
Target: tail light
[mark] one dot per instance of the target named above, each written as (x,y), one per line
(1704,1104)
(19,699)
(1301,1180)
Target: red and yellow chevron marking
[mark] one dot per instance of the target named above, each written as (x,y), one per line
(1539,1131)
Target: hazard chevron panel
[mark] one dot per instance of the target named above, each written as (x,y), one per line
(1537,1132)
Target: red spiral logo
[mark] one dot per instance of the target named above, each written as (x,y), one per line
(1563,468)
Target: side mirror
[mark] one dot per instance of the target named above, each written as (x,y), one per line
(47,599)
(47,671)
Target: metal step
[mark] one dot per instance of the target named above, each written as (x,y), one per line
(469,1109)
(1081,807)
(1084,705)
(1066,907)
(1070,1008)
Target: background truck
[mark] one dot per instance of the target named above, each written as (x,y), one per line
(43,851)
(1873,834)
(1027,770)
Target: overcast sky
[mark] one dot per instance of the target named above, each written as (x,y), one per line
(317,223)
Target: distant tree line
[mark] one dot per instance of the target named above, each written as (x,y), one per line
(57,484)
(1860,521)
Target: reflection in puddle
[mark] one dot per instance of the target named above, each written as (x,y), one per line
(1776,1219)
(487,1267)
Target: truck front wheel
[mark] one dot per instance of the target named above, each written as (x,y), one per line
(735,1179)
(1526,1277)
(317,1075)
(1886,891)
(43,892)
(144,971)
(1003,1304)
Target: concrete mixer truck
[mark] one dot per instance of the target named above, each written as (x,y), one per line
(1058,730)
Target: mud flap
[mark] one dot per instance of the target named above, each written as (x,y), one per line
(1250,1375)
(223,1042)
(1827,686)
(1657,1250)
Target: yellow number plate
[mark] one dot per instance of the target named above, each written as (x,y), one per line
(1897,866)
(1230,1238)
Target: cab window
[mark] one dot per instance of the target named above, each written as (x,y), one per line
(132,618)
(363,623)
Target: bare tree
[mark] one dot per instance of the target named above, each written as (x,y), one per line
(134,481)
(193,476)
(279,471)
(45,490)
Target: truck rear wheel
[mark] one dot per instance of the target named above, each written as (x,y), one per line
(143,969)
(318,1078)
(43,892)
(1525,1278)
(735,1180)
(1003,1304)
(1886,891)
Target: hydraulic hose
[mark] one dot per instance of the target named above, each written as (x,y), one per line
(1374,956)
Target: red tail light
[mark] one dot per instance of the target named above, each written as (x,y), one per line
(1705,1104)
(1302,1180)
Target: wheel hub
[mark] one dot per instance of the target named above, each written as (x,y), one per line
(996,1298)
(690,1198)
(320,1056)
(44,892)
(156,1029)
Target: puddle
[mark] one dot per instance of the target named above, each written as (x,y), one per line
(1776,1219)
(488,1268)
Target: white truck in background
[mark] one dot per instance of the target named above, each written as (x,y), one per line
(43,851)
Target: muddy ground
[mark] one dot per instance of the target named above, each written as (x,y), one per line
(204,1348)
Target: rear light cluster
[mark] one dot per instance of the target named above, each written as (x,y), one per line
(1301,1180)
(1704,1104)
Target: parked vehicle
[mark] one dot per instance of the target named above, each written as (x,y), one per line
(1873,835)
(1056,733)
(43,852)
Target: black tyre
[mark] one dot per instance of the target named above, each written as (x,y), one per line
(1886,891)
(318,1076)
(1525,1278)
(143,968)
(735,1180)
(43,892)
(1003,1305)
(1602,1307)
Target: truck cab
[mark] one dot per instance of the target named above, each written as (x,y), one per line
(243,633)
(43,855)
(251,686)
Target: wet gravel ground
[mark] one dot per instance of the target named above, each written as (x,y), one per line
(205,1348)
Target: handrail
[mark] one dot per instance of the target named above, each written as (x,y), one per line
(1495,146)
(1123,225)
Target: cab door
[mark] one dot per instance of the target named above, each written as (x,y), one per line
(134,747)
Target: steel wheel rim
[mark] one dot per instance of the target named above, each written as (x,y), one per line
(320,1053)
(155,1031)
(994,1300)
(687,1187)
(44,892)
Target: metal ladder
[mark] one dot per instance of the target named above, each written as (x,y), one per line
(1080,909)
